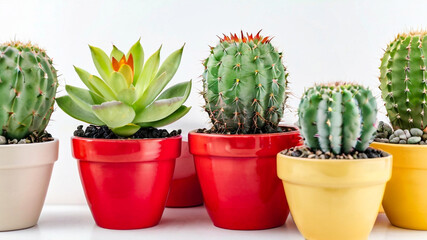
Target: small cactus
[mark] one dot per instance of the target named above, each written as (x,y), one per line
(244,85)
(337,118)
(404,80)
(28,83)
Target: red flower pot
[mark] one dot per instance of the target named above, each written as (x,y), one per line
(185,188)
(239,180)
(126,182)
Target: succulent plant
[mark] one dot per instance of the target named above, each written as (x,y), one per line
(244,85)
(129,94)
(404,80)
(338,118)
(28,83)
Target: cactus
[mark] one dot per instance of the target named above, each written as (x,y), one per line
(28,84)
(404,80)
(129,94)
(338,117)
(244,85)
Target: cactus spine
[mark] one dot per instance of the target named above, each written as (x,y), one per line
(338,118)
(404,82)
(28,84)
(244,85)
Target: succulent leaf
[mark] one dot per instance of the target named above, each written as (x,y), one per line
(85,77)
(102,62)
(103,88)
(127,72)
(179,113)
(127,130)
(72,109)
(84,98)
(148,72)
(138,59)
(168,102)
(114,114)
(127,95)
(117,82)
(116,54)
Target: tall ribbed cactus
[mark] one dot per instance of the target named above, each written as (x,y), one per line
(28,84)
(404,81)
(244,85)
(337,117)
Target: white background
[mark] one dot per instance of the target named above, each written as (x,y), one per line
(322,41)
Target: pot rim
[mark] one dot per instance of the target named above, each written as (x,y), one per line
(252,135)
(410,146)
(335,173)
(16,156)
(28,144)
(339,160)
(123,140)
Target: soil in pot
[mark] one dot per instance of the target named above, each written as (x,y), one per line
(334,197)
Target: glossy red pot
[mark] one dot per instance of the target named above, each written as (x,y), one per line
(239,180)
(126,182)
(185,188)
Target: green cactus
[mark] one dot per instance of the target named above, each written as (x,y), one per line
(28,84)
(404,80)
(129,94)
(338,117)
(244,85)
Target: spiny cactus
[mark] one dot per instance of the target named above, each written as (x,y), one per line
(244,85)
(129,95)
(28,84)
(404,80)
(338,117)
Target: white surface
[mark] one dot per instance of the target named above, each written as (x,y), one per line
(75,222)
(325,40)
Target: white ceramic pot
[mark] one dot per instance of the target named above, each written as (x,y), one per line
(25,171)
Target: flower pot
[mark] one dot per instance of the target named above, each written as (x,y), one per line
(405,197)
(25,171)
(237,174)
(126,182)
(185,188)
(334,199)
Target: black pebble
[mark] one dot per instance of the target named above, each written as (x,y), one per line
(104,132)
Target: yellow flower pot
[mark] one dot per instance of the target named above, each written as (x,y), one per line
(405,197)
(334,199)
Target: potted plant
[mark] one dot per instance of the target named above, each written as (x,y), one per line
(125,163)
(27,93)
(404,90)
(245,91)
(335,183)
(185,187)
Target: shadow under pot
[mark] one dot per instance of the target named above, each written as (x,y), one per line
(185,187)
(334,199)
(126,182)
(25,171)
(405,197)
(237,174)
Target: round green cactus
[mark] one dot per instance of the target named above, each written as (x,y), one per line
(404,80)
(338,118)
(244,85)
(28,84)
